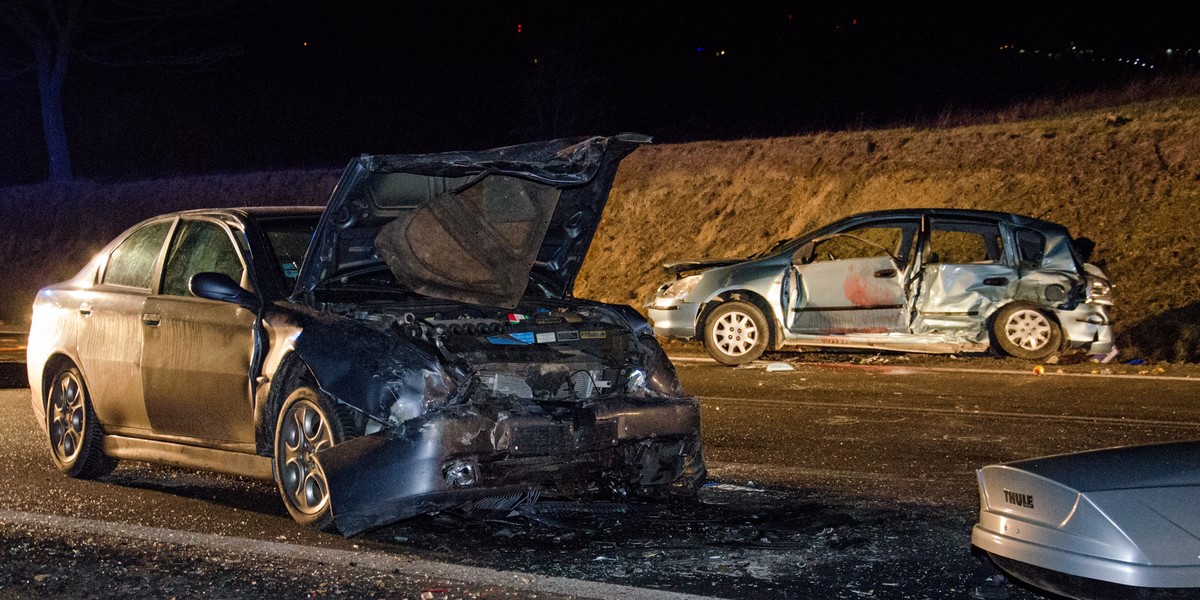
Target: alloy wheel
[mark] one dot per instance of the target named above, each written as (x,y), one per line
(304,431)
(67,417)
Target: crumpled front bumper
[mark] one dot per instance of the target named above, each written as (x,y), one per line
(676,320)
(442,459)
(1088,327)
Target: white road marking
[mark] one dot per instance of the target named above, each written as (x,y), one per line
(377,561)
(909,369)
(952,411)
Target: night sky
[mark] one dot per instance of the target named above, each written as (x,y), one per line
(315,82)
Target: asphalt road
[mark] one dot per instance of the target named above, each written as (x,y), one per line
(830,481)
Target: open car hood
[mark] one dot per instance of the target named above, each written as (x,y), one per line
(471,227)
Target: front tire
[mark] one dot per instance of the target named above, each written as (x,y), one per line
(76,441)
(1023,331)
(736,333)
(308,423)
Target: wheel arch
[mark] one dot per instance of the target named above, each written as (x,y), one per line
(292,371)
(53,363)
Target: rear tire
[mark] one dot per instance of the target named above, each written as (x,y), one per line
(308,422)
(736,333)
(73,431)
(1023,331)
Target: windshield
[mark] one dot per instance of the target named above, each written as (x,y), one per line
(288,238)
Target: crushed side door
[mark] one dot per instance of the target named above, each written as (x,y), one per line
(965,274)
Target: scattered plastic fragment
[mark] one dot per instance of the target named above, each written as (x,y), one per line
(1039,369)
(1136,361)
(994,588)
(779,366)
(729,487)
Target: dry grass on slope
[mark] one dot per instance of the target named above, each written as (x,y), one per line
(1128,178)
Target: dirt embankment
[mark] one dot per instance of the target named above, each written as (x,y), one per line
(1127,177)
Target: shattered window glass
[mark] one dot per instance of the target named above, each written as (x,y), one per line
(132,263)
(1032,247)
(965,243)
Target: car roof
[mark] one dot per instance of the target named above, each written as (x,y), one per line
(257,212)
(968,213)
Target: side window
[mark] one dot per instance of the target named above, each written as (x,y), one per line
(1031,246)
(965,243)
(132,263)
(867,242)
(199,247)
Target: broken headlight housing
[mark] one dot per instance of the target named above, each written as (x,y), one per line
(1099,291)
(656,377)
(671,293)
(414,394)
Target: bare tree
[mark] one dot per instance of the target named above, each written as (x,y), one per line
(173,34)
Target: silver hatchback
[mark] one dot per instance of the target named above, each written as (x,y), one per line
(916,280)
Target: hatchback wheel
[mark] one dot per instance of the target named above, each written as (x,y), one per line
(1024,331)
(76,442)
(308,423)
(736,333)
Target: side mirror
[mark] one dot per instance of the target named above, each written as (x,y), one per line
(221,287)
(804,254)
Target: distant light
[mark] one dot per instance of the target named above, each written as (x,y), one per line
(699,49)
(519,28)
(721,53)
(854,22)
(305,44)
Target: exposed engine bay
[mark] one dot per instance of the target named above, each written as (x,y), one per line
(545,352)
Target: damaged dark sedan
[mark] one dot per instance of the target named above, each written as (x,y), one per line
(413,346)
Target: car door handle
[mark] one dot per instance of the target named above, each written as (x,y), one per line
(85,310)
(885,273)
(995,281)
(151,319)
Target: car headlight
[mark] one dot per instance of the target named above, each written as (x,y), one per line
(635,382)
(1099,291)
(678,289)
(655,377)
